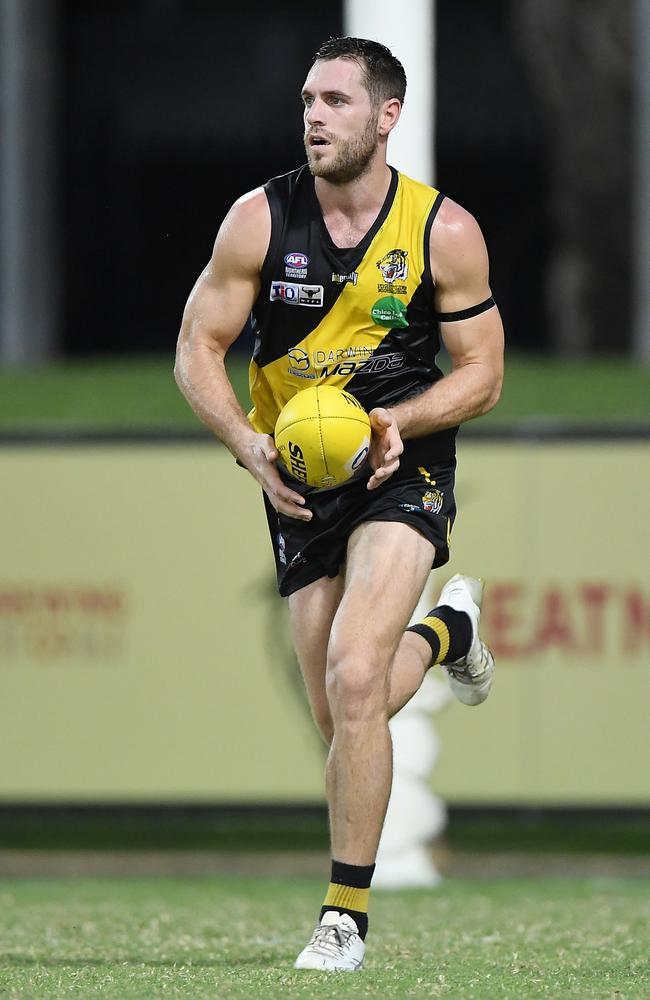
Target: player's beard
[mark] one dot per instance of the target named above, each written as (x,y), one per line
(352,159)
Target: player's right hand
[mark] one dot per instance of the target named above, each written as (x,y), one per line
(260,458)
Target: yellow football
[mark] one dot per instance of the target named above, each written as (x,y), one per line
(323,436)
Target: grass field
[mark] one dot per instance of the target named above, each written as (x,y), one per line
(238,937)
(140,392)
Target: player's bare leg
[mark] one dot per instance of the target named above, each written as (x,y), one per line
(311,613)
(317,604)
(449,635)
(329,631)
(410,665)
(386,568)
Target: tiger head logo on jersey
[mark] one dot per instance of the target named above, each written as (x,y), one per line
(393,266)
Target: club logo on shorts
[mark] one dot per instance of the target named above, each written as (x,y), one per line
(394,270)
(432,501)
(433,498)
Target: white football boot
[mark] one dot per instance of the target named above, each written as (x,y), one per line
(470,678)
(335,945)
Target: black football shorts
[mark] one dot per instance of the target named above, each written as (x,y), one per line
(305,551)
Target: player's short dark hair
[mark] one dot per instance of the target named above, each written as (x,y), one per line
(383,73)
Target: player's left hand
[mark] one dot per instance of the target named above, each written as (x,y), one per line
(385,446)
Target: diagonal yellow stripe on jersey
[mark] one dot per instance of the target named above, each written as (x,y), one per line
(348,335)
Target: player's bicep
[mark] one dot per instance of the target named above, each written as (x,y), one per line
(459,261)
(217,310)
(470,323)
(477,339)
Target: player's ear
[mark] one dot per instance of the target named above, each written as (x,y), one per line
(389,115)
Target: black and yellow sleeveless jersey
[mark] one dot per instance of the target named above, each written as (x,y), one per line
(362,318)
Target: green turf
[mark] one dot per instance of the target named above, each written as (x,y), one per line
(237,937)
(595,390)
(141,392)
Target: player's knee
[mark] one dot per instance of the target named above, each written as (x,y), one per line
(356,686)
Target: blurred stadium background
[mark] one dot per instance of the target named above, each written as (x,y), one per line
(151,722)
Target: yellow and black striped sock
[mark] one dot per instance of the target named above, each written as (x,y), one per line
(448,632)
(348,892)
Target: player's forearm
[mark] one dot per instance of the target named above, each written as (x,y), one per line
(201,376)
(467,392)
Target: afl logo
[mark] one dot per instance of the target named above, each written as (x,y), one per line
(296,259)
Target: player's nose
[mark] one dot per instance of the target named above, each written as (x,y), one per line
(314,114)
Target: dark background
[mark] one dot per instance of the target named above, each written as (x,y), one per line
(173,109)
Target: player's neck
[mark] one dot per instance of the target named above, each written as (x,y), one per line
(360,197)
(350,210)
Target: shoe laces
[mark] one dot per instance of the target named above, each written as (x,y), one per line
(332,938)
(463,670)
